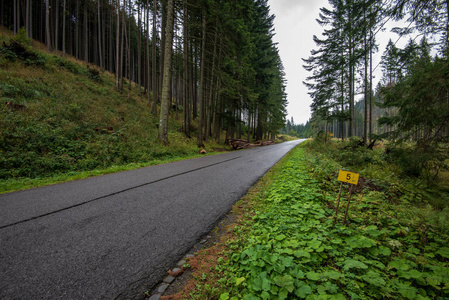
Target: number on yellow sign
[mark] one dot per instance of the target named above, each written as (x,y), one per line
(349,177)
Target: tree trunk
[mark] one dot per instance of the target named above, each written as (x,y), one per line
(63,28)
(155,86)
(211,105)
(15,14)
(248,135)
(18,16)
(447,28)
(201,84)
(148,78)
(128,43)
(193,82)
(365,121)
(57,27)
(111,57)
(27,17)
(95,43)
(77,30)
(351,76)
(163,36)
(30,27)
(371,86)
(103,40)
(99,36)
(117,49)
(165,101)
(86,36)
(185,94)
(1,13)
(139,51)
(47,25)
(122,45)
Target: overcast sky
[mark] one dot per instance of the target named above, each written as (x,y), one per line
(295,24)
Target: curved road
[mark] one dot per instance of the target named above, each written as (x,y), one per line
(115,236)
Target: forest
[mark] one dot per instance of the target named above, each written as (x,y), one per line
(410,104)
(214,62)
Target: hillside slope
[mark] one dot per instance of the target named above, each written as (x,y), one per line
(57,116)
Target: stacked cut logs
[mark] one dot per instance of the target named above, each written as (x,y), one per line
(238,144)
(263,143)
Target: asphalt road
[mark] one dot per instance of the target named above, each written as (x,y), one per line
(115,236)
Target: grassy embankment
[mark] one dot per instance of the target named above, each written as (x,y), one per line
(286,243)
(60,122)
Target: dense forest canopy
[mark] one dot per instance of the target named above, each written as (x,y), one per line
(222,69)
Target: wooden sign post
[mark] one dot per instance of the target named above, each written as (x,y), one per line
(351,178)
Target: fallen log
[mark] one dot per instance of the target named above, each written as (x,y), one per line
(264,143)
(237,144)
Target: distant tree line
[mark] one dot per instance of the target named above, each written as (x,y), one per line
(297,130)
(411,101)
(213,61)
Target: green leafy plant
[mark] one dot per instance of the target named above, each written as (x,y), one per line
(291,249)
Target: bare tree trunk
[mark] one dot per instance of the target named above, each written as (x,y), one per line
(126,51)
(351,76)
(185,96)
(99,36)
(47,25)
(371,85)
(30,24)
(18,16)
(56,27)
(122,59)
(193,82)
(95,43)
(63,29)
(117,48)
(163,28)
(148,79)
(15,14)
(139,51)
(365,121)
(209,113)
(165,101)
(128,43)
(154,62)
(447,28)
(1,13)
(111,57)
(77,30)
(27,17)
(103,40)
(201,84)
(86,36)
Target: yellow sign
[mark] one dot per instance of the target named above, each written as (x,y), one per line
(349,177)
(331,134)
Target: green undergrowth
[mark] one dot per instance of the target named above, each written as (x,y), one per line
(61,120)
(289,245)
